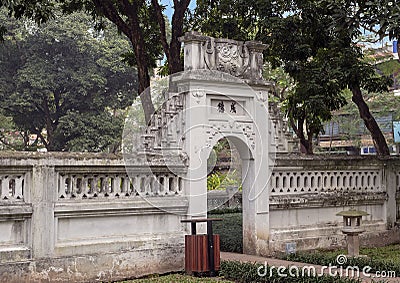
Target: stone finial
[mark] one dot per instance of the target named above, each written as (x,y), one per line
(237,58)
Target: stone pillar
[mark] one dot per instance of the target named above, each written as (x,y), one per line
(195,183)
(389,182)
(248,207)
(194,50)
(353,245)
(256,59)
(264,159)
(43,196)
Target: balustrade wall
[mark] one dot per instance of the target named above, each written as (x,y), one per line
(307,192)
(80,217)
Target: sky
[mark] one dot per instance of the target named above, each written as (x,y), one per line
(170,4)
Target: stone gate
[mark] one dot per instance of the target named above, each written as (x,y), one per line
(220,94)
(78,217)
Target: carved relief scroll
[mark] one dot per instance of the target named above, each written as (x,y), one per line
(226,56)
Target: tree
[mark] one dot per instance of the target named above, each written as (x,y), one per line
(135,19)
(309,40)
(348,18)
(295,41)
(63,81)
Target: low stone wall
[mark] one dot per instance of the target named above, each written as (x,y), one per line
(79,218)
(223,199)
(307,192)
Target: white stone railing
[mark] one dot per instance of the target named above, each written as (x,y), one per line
(117,185)
(286,181)
(12,187)
(61,205)
(166,125)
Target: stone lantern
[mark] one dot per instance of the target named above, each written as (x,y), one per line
(352,227)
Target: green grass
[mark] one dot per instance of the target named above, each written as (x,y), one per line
(249,273)
(172,278)
(230,231)
(379,258)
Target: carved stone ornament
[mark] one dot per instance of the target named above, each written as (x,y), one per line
(218,129)
(262,96)
(198,94)
(226,56)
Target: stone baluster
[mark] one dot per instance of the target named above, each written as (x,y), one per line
(117,186)
(125,184)
(19,183)
(5,194)
(72,191)
(137,185)
(61,186)
(85,187)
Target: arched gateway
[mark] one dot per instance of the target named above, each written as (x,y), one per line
(221,93)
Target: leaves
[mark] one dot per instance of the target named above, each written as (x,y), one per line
(63,81)
(314,42)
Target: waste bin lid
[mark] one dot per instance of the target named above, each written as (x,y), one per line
(200,220)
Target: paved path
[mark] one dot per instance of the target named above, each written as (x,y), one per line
(285,263)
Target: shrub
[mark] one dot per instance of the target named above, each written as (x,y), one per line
(248,272)
(220,181)
(230,231)
(390,260)
(226,210)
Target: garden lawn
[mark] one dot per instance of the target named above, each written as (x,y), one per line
(379,258)
(172,278)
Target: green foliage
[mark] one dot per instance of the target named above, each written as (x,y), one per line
(10,137)
(230,231)
(313,41)
(220,181)
(226,210)
(237,19)
(214,181)
(248,272)
(66,83)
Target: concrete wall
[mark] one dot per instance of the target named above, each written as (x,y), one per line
(79,218)
(307,192)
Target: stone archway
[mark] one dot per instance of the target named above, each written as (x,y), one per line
(231,104)
(247,129)
(247,179)
(221,93)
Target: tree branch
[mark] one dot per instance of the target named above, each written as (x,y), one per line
(293,125)
(39,134)
(111,13)
(161,23)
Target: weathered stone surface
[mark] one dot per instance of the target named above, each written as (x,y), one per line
(68,219)
(159,257)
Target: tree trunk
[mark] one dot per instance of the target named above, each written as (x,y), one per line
(144,86)
(143,70)
(305,144)
(173,49)
(174,61)
(134,31)
(377,137)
